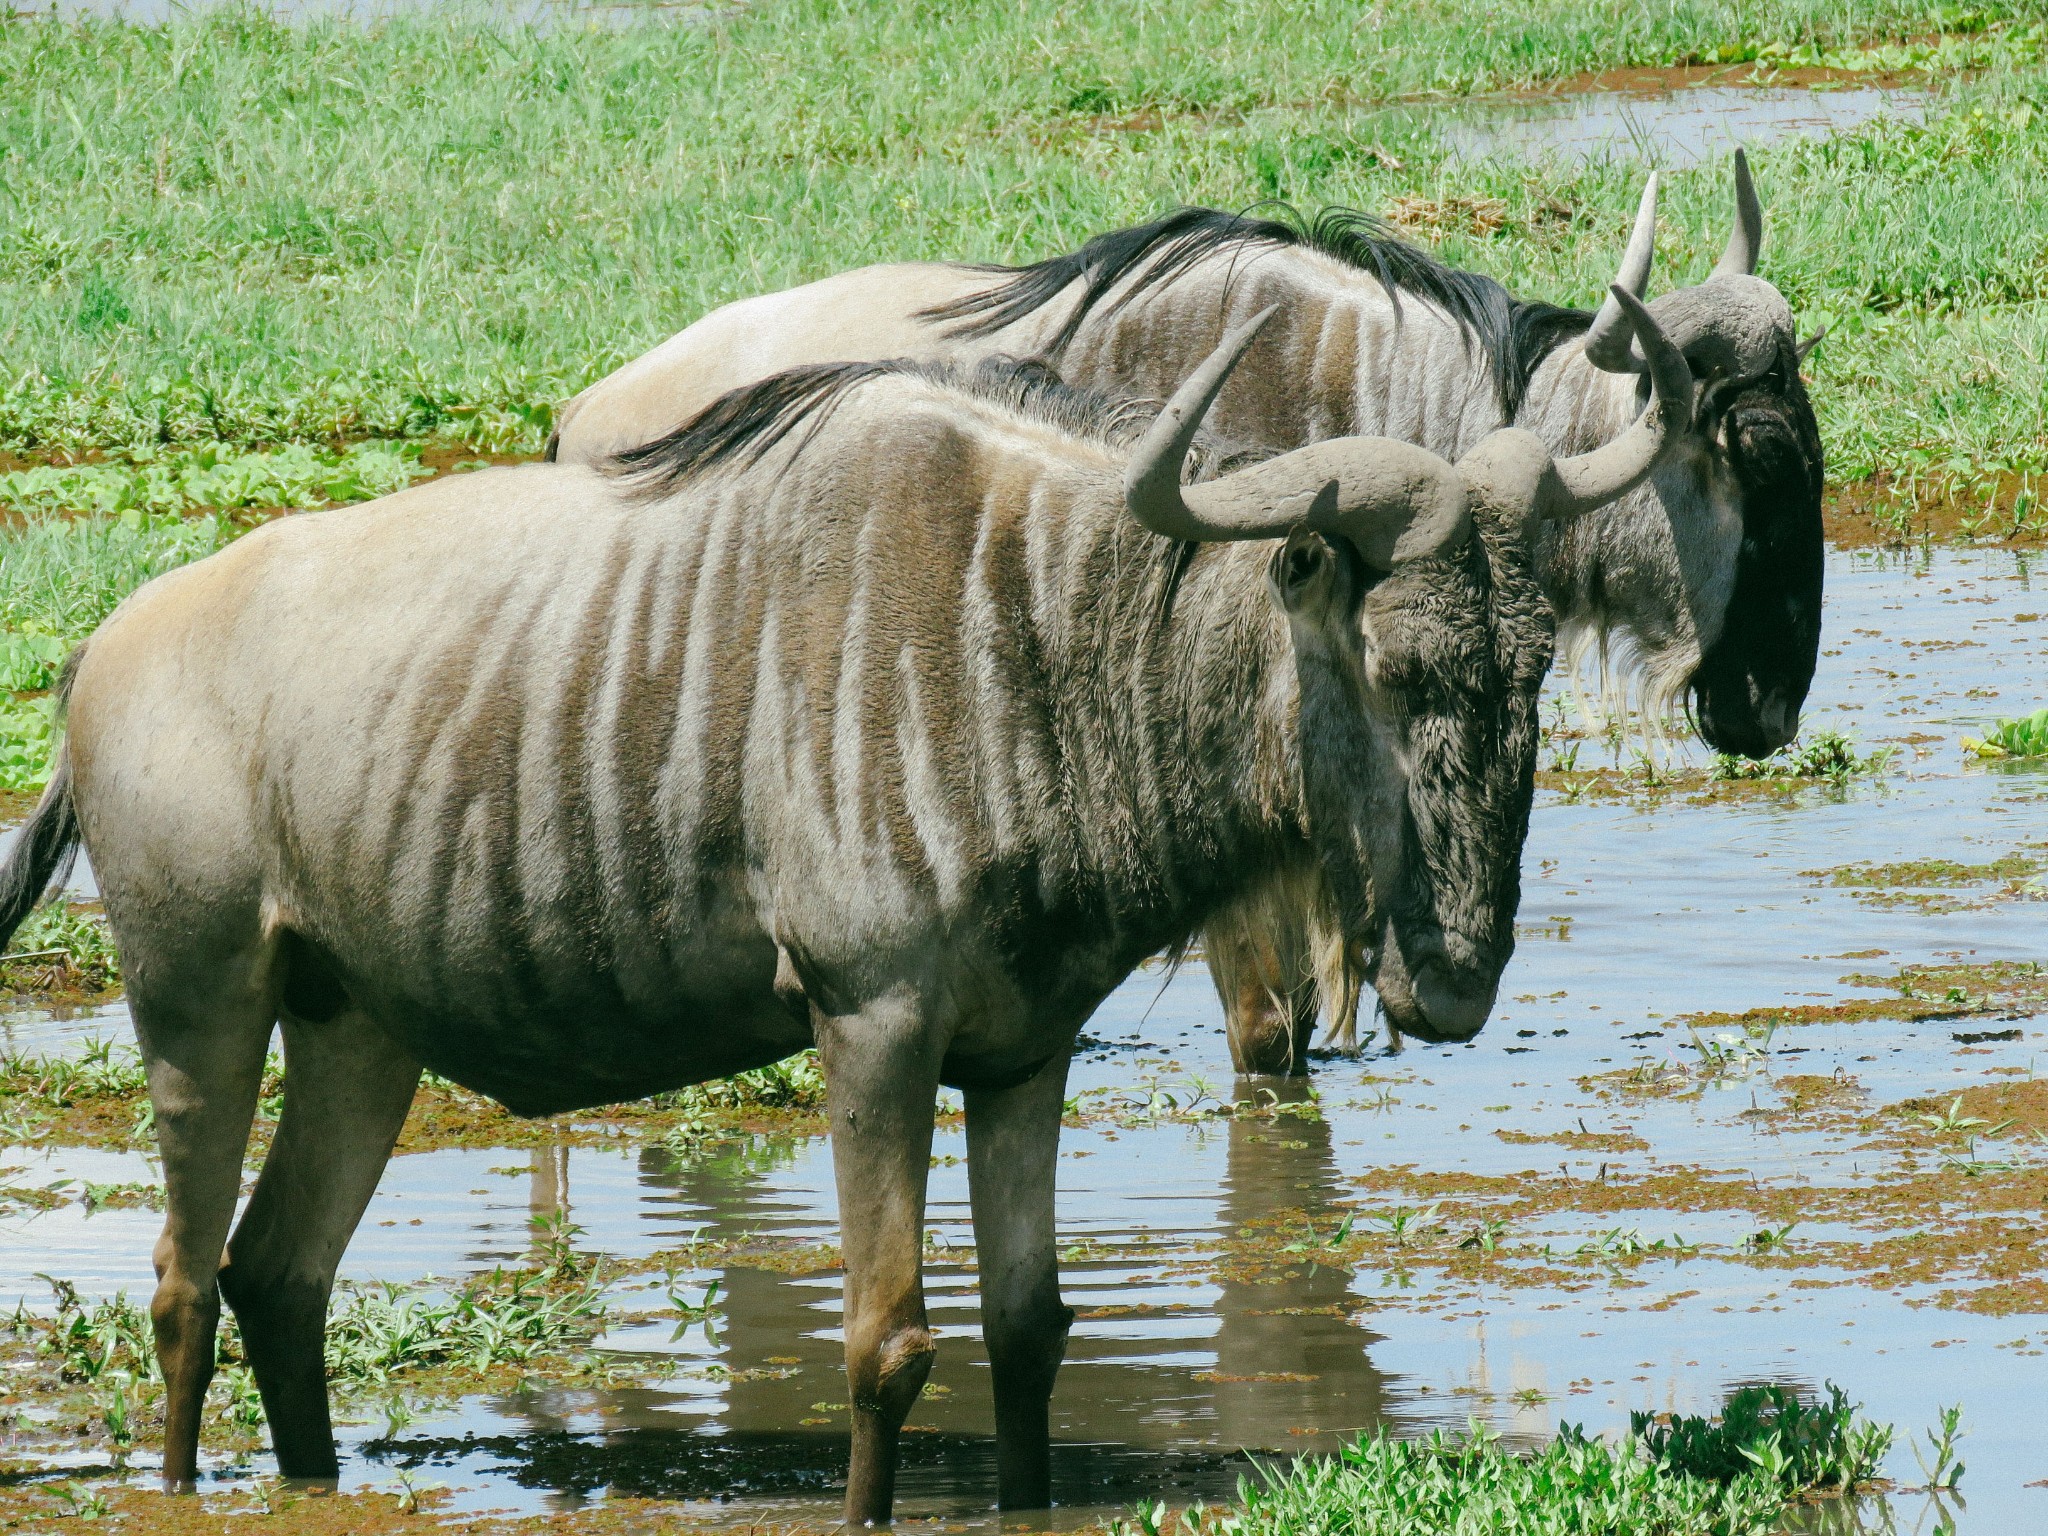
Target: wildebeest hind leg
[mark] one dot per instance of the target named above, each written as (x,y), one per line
(347,1090)
(204,1055)
(1013,1143)
(881,1077)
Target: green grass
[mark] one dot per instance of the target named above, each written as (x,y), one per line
(1732,1475)
(230,230)
(59,577)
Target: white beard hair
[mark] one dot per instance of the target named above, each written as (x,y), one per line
(1644,694)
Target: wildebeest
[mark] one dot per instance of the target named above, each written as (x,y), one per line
(1708,576)
(881,707)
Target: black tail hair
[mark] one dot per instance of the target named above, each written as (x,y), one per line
(43,852)
(47,844)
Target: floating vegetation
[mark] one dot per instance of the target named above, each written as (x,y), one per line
(2025,737)
(1828,756)
(1939,885)
(505,1318)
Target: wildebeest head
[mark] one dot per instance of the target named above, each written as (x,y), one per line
(1421,639)
(1754,447)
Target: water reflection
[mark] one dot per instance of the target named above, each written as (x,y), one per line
(1291,1361)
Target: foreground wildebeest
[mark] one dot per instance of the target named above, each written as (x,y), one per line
(882,708)
(1709,574)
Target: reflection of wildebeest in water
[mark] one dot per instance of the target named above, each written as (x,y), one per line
(1288,1353)
(1133,1417)
(875,708)
(1708,576)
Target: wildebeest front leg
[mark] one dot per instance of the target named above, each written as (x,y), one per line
(1013,1141)
(881,1077)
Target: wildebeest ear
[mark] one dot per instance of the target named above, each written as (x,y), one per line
(1303,569)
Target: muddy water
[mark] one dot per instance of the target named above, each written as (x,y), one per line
(1635,912)
(1671,128)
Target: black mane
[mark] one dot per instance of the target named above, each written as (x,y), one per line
(745,423)
(1516,336)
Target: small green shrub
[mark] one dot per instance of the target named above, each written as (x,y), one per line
(2026,737)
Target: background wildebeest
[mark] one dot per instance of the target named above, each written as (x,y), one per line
(880,708)
(1707,578)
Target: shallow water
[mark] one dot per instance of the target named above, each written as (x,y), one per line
(1672,128)
(1634,912)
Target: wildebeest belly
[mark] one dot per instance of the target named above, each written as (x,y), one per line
(583,1041)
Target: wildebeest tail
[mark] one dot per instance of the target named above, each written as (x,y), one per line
(48,842)
(43,852)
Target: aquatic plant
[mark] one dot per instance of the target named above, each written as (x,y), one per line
(1802,1447)
(1953,1122)
(1827,755)
(89,1341)
(2024,737)
(1946,1470)
(212,477)
(374,1332)
(101,1069)
(504,1318)
(794,1083)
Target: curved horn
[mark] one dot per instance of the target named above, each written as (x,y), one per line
(1805,348)
(1392,501)
(1590,480)
(1608,338)
(1747,238)
(1152,487)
